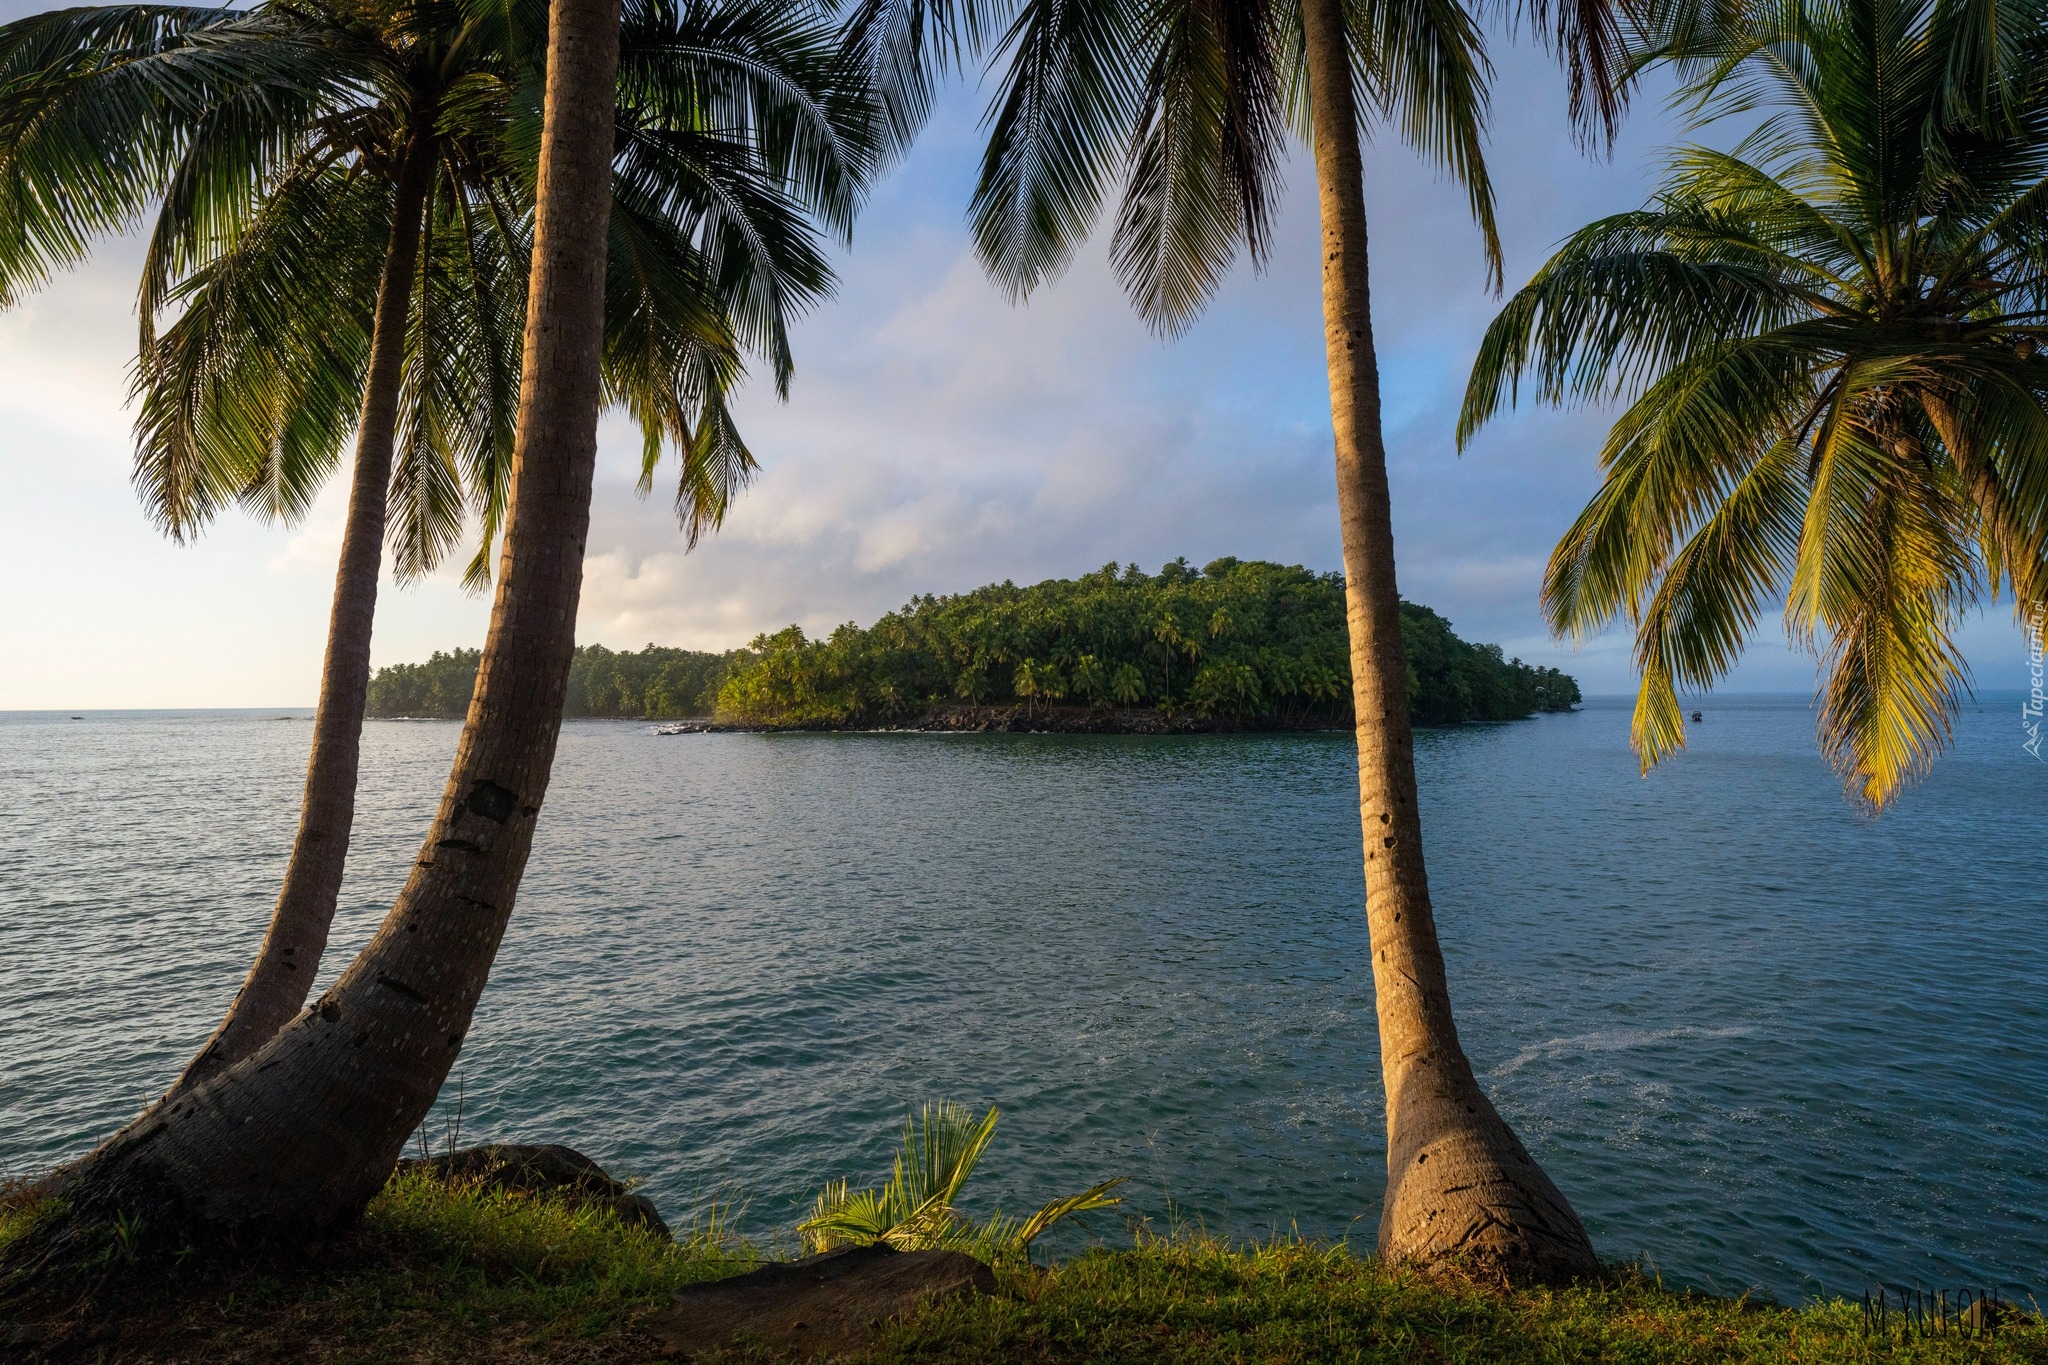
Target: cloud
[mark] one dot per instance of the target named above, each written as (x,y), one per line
(937,437)
(65,353)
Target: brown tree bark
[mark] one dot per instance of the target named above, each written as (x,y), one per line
(298,1136)
(1461,1190)
(282,974)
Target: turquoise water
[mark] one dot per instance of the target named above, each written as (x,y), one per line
(1759,1039)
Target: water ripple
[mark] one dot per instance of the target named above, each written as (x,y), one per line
(1758,1038)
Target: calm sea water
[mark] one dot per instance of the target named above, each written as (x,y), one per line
(1758,1038)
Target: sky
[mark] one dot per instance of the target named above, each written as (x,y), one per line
(937,436)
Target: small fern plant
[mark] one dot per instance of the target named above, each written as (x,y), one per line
(917,1210)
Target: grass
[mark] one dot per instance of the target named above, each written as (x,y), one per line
(438,1274)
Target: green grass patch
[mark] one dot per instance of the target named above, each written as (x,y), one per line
(438,1274)
(1183,1300)
(20,1211)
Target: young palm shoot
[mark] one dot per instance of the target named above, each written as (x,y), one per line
(918,1209)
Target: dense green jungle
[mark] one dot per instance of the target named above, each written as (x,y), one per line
(1237,642)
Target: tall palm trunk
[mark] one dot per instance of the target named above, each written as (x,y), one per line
(299,1135)
(1460,1186)
(282,975)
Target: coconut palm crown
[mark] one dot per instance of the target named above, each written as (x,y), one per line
(1829,340)
(274,142)
(1182,110)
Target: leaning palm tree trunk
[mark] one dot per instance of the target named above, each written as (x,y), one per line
(1460,1186)
(282,974)
(299,1135)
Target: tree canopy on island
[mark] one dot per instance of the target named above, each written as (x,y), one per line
(657,683)
(1245,642)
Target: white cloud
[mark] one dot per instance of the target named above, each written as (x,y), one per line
(313,545)
(937,438)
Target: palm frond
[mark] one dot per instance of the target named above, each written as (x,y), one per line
(1424,69)
(99,106)
(898,49)
(1711,594)
(1059,1210)
(1204,163)
(1829,341)
(251,393)
(1893,584)
(1058,126)
(1626,299)
(1592,39)
(918,1208)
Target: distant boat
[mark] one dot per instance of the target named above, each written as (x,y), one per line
(1697,716)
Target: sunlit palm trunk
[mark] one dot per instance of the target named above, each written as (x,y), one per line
(300,1134)
(282,975)
(1460,1186)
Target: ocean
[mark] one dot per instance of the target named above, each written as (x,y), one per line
(1761,1040)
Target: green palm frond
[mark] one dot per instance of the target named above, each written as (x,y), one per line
(104,111)
(269,140)
(1679,452)
(252,392)
(773,71)
(1885,575)
(1025,1233)
(1829,339)
(1424,69)
(940,1150)
(1999,439)
(716,465)
(842,1217)
(1188,104)
(918,1208)
(1624,301)
(670,359)
(1057,129)
(1708,598)
(426,505)
(1594,42)
(897,49)
(1204,163)
(494,250)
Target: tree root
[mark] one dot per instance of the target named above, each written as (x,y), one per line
(1466,1200)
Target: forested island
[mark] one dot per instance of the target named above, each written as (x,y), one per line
(1233,644)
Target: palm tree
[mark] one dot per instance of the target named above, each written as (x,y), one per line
(344,228)
(1090,678)
(1188,103)
(298,1135)
(1831,339)
(275,183)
